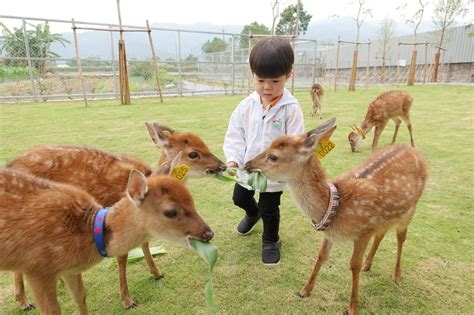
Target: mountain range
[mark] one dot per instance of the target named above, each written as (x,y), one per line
(98,44)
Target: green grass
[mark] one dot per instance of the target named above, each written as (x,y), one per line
(438,258)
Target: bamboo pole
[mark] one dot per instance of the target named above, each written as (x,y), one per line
(248,58)
(28,56)
(337,63)
(426,63)
(79,66)
(155,63)
(123,73)
(367,66)
(398,63)
(114,72)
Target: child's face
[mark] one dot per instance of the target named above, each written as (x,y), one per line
(270,88)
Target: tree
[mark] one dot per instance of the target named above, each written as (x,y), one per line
(214,45)
(39,42)
(415,20)
(445,13)
(275,12)
(254,28)
(385,33)
(288,21)
(362,14)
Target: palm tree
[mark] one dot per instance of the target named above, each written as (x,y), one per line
(39,41)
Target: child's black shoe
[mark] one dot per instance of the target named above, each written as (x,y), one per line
(247,224)
(271,253)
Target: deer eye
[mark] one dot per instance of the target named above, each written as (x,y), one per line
(272,157)
(193,155)
(170,213)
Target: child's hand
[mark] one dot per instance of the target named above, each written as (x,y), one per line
(232,164)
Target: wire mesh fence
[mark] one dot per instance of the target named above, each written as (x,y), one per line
(39,62)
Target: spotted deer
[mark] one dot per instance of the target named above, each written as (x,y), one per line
(317,93)
(48,228)
(393,105)
(379,194)
(104,175)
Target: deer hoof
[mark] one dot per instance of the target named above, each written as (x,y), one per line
(27,307)
(301,294)
(158,277)
(131,305)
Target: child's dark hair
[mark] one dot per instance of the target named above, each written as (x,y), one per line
(272,57)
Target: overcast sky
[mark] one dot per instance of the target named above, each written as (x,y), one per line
(219,12)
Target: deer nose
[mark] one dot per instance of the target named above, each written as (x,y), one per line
(248,166)
(222,167)
(208,235)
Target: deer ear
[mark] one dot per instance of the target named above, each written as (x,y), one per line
(327,135)
(175,161)
(323,128)
(137,187)
(153,134)
(309,145)
(158,126)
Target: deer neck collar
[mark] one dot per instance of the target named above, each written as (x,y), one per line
(99,231)
(333,206)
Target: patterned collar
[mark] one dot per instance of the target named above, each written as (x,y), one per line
(99,231)
(330,212)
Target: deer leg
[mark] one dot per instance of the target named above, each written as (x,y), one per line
(397,126)
(411,132)
(20,293)
(44,293)
(127,301)
(378,132)
(150,262)
(322,257)
(375,245)
(401,237)
(76,286)
(356,263)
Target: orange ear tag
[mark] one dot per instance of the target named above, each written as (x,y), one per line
(180,171)
(325,146)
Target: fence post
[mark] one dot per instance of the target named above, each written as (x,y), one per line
(398,63)
(179,64)
(114,74)
(314,60)
(337,63)
(30,69)
(368,65)
(233,64)
(79,66)
(155,63)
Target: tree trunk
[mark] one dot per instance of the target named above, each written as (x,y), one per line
(382,72)
(354,71)
(412,71)
(434,75)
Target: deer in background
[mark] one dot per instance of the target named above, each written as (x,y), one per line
(104,175)
(48,228)
(390,105)
(316,93)
(363,203)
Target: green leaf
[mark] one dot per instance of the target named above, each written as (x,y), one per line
(208,252)
(137,253)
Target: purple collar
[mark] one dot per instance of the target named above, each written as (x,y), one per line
(99,231)
(330,212)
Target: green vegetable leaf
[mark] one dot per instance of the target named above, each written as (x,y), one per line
(137,253)
(208,252)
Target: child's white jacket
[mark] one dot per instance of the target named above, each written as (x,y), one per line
(249,132)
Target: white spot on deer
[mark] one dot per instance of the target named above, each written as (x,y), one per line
(350,211)
(366,203)
(395,182)
(360,212)
(48,163)
(355,203)
(2,222)
(369,177)
(373,220)
(2,190)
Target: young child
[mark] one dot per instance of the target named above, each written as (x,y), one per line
(269,112)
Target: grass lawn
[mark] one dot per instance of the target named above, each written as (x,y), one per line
(438,258)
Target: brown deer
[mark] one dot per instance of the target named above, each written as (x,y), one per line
(389,105)
(47,228)
(316,93)
(365,202)
(104,175)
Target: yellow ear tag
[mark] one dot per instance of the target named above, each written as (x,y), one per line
(167,133)
(180,171)
(325,146)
